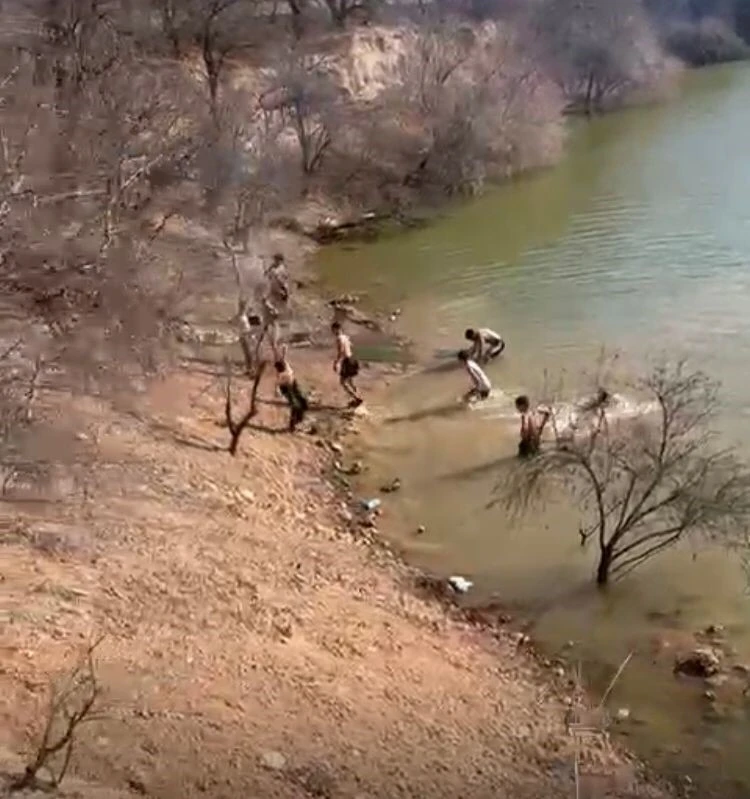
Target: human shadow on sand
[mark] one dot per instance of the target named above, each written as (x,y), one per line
(438,411)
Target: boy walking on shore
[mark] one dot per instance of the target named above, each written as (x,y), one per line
(346,364)
(290,390)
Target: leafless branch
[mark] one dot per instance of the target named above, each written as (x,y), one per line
(72,704)
(643,484)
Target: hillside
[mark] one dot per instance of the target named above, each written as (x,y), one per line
(255,641)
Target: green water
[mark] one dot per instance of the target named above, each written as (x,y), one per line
(639,241)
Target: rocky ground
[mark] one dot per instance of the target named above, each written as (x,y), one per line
(256,643)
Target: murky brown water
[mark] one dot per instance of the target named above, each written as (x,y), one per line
(639,241)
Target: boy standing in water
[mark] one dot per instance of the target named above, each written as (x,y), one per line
(346,364)
(480,383)
(532,426)
(485,344)
(290,390)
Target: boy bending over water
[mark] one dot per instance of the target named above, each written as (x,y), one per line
(480,383)
(485,344)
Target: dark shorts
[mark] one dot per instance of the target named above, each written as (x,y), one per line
(294,396)
(495,349)
(527,448)
(349,368)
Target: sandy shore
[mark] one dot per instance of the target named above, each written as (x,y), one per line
(256,643)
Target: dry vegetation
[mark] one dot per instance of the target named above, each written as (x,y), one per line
(146,147)
(644,485)
(125,122)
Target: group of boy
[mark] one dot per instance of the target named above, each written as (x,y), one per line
(485,346)
(273,302)
(344,364)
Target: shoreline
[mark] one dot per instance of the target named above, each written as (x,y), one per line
(492,618)
(241,602)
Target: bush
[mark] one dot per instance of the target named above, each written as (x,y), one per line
(708,41)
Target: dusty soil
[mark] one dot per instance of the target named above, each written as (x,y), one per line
(256,642)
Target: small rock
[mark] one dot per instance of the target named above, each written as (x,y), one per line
(714,629)
(137,784)
(247,495)
(717,680)
(335,447)
(421,530)
(273,760)
(741,669)
(559,671)
(347,516)
(701,662)
(356,468)
(710,695)
(389,488)
(623,714)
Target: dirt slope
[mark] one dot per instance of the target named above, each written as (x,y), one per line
(255,646)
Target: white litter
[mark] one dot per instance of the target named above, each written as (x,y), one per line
(460,584)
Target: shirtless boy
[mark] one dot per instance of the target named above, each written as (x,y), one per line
(485,344)
(532,426)
(346,364)
(480,383)
(290,390)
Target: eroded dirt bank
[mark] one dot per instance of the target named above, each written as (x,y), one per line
(255,643)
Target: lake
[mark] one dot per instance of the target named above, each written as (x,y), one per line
(637,243)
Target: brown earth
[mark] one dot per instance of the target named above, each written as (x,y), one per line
(256,643)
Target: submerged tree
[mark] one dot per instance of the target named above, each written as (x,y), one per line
(644,484)
(598,50)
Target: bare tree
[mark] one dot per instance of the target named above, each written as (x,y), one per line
(470,106)
(342,10)
(644,485)
(217,29)
(312,103)
(598,51)
(73,703)
(237,426)
(82,137)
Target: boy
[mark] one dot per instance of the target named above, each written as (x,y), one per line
(290,390)
(346,364)
(480,383)
(278,281)
(532,426)
(485,344)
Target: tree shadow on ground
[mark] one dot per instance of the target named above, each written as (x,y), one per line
(480,469)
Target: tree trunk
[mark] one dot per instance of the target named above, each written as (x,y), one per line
(605,564)
(590,94)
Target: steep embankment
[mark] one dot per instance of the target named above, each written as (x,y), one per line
(255,642)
